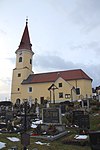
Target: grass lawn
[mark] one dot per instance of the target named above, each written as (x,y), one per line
(55,145)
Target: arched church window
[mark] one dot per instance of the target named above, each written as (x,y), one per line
(20,59)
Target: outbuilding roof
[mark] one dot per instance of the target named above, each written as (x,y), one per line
(53,76)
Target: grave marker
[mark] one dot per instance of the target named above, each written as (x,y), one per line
(94,140)
(76,116)
(51,115)
(9,115)
(84,122)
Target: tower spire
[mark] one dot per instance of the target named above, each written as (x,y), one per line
(25,41)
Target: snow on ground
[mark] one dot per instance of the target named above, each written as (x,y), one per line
(2,145)
(35,123)
(13,139)
(33,126)
(81,137)
(48,144)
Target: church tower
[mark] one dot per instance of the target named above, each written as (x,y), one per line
(23,67)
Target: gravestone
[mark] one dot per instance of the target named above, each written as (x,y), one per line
(84,122)
(51,115)
(3,113)
(9,115)
(94,137)
(52,124)
(63,108)
(76,116)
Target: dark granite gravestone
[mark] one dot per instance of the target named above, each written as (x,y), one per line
(94,140)
(51,115)
(52,125)
(76,116)
(84,122)
(63,108)
(3,113)
(9,115)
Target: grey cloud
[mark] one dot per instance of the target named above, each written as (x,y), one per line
(87,14)
(53,63)
(94,72)
(95,46)
(90,46)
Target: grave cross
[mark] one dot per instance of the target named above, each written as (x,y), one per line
(53,88)
(25,116)
(24,135)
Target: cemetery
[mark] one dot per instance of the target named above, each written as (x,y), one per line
(70,125)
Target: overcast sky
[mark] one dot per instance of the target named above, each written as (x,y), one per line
(65,35)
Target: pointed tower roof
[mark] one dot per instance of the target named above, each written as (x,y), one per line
(25,41)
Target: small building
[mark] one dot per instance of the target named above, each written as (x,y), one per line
(54,87)
(98,90)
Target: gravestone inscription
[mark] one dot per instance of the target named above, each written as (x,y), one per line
(76,116)
(84,121)
(51,115)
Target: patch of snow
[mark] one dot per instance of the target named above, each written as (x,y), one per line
(48,144)
(96,114)
(37,122)
(18,133)
(2,122)
(81,137)
(76,126)
(50,136)
(79,100)
(63,114)
(44,133)
(2,145)
(33,126)
(15,128)
(13,139)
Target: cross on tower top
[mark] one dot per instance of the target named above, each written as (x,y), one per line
(26,19)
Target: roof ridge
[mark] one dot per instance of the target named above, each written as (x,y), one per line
(67,75)
(56,71)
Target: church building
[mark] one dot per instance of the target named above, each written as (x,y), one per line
(51,87)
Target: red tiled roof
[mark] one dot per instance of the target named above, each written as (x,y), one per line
(25,41)
(53,76)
